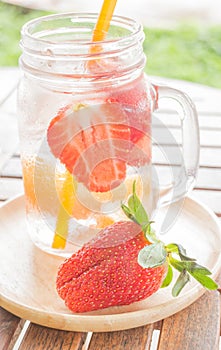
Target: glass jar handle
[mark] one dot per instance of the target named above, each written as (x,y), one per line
(185,179)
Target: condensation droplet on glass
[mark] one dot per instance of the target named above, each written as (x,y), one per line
(49,52)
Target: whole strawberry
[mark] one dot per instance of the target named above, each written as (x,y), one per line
(125,263)
(105,272)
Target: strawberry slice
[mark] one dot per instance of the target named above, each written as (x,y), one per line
(96,143)
(93,143)
(137,105)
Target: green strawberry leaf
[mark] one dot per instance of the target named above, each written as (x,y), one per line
(172,248)
(133,201)
(199,272)
(194,267)
(149,233)
(178,249)
(140,215)
(168,279)
(204,280)
(157,253)
(136,212)
(152,255)
(177,264)
(137,208)
(128,213)
(181,281)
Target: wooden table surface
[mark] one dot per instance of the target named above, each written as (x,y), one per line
(197,327)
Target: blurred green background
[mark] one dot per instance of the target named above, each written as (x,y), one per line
(189,51)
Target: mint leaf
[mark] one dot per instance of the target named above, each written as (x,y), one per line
(168,279)
(181,281)
(152,255)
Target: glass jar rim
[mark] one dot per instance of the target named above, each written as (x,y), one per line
(57,44)
(135,28)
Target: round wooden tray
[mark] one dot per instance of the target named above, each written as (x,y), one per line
(27,278)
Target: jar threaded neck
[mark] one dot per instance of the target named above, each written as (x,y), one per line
(60,46)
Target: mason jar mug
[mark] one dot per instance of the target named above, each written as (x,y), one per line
(85,120)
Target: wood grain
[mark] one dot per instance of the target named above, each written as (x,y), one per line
(136,338)
(9,324)
(207,178)
(209,157)
(12,168)
(207,121)
(207,138)
(211,198)
(9,82)
(192,329)
(10,187)
(209,161)
(41,338)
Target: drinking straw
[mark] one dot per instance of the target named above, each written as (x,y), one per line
(104,18)
(69,186)
(67,196)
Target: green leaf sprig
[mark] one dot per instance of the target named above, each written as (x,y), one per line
(158,253)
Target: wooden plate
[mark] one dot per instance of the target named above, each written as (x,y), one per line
(27,277)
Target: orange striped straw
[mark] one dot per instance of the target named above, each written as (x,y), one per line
(104,18)
(69,186)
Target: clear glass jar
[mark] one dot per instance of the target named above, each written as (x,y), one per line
(85,128)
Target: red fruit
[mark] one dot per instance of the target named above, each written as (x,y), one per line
(137,104)
(140,154)
(96,143)
(105,271)
(93,143)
